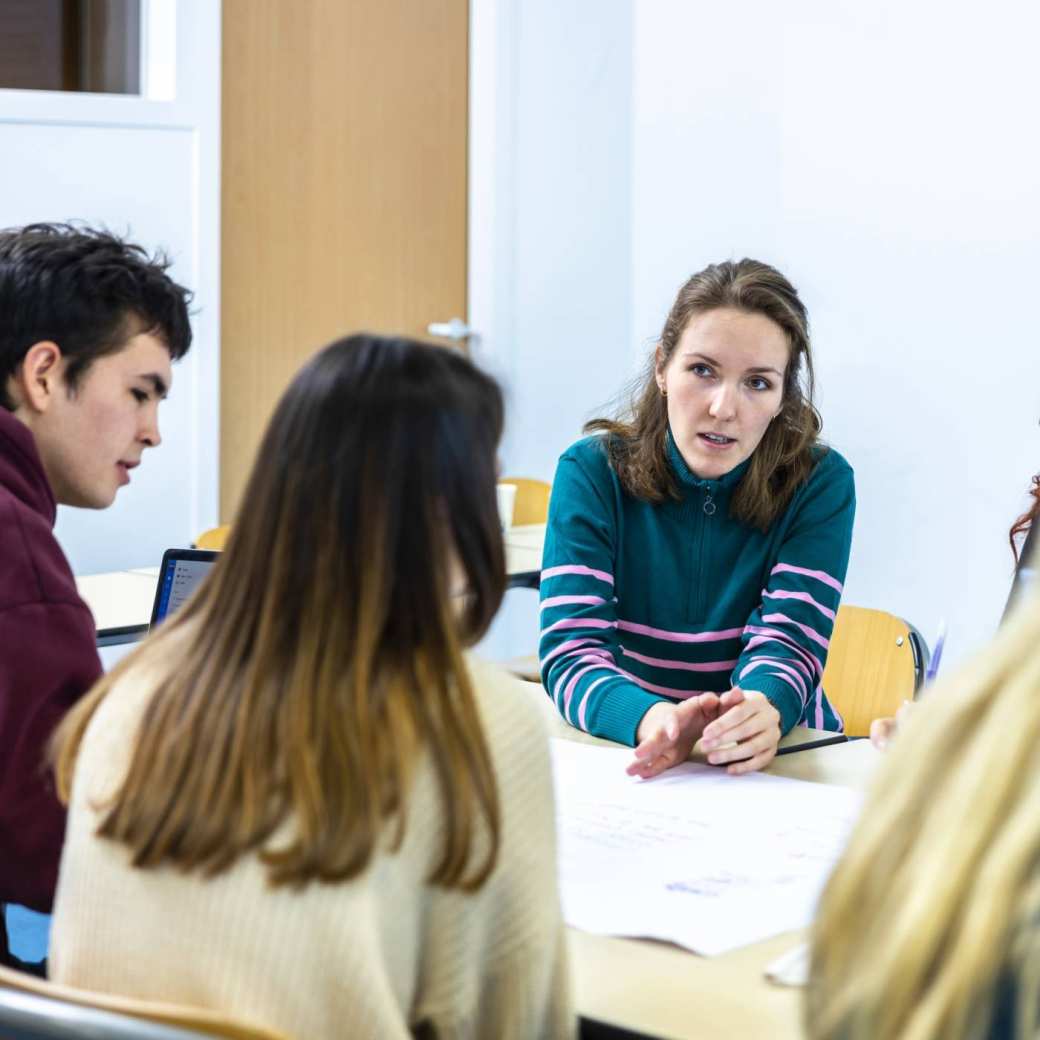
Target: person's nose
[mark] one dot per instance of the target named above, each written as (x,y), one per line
(723,403)
(149,434)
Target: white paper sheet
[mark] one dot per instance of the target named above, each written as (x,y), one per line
(697,857)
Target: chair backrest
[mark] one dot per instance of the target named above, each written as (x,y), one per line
(532,500)
(34,1009)
(214,538)
(875,662)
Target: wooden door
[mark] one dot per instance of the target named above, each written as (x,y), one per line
(343,189)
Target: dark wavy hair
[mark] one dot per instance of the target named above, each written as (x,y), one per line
(87,290)
(636,442)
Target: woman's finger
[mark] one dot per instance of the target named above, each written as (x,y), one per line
(650,751)
(760,761)
(718,732)
(653,745)
(733,696)
(882,731)
(653,767)
(757,723)
(747,749)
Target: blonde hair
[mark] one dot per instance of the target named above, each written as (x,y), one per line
(324,651)
(932,917)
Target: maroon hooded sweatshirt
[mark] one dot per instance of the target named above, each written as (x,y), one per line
(48,660)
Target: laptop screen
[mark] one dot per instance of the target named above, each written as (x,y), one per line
(180,574)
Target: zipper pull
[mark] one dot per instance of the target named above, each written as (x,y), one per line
(709,505)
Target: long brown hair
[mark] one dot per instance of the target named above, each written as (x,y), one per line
(784,457)
(324,651)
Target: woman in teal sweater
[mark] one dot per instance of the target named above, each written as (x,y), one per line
(695,553)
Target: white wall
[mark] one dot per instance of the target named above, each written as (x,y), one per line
(550,234)
(884,156)
(147,167)
(550,246)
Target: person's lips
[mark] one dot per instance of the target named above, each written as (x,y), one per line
(124,468)
(716,441)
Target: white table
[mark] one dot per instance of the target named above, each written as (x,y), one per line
(657,989)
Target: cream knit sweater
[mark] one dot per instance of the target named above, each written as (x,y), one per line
(384,955)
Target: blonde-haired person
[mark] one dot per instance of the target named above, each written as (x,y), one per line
(695,552)
(929,928)
(300,802)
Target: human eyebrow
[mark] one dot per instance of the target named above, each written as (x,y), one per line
(703,357)
(159,387)
(763,368)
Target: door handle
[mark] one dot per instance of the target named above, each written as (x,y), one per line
(455,329)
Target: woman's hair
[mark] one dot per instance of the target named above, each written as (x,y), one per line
(1021,526)
(325,649)
(784,457)
(932,917)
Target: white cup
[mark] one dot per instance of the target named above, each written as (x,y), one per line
(506,494)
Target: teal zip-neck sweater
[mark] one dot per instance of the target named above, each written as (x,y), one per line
(642,603)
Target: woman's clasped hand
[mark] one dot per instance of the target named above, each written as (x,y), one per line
(739,729)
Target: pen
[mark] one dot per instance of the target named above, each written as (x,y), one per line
(838,738)
(933,664)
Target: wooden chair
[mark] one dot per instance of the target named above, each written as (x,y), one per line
(532,500)
(214,538)
(875,662)
(34,1009)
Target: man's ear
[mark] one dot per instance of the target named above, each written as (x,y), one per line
(39,377)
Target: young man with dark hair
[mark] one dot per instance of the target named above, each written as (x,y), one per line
(89,326)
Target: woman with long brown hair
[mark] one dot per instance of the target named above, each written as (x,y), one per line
(300,802)
(696,550)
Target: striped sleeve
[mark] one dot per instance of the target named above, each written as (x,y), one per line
(786,639)
(578,648)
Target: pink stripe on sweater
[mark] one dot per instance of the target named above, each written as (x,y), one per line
(776,635)
(577,622)
(577,568)
(666,691)
(679,637)
(783,678)
(566,601)
(783,619)
(804,597)
(569,692)
(585,700)
(802,670)
(683,666)
(763,663)
(819,707)
(567,648)
(561,682)
(790,568)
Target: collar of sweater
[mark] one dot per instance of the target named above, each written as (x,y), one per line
(688,479)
